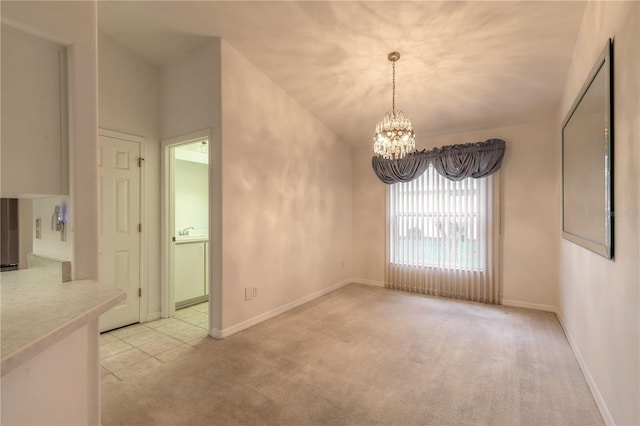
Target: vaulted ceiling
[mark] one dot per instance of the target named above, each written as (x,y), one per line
(464,65)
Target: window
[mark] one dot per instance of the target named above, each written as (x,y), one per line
(439,223)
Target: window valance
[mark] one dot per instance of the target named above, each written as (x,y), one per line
(455,162)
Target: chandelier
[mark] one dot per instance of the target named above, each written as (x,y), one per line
(394,136)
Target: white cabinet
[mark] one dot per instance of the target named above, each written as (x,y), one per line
(31,392)
(190,270)
(34,119)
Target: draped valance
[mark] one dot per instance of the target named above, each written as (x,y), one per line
(455,162)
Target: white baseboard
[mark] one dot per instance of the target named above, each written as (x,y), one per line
(367,282)
(153,316)
(602,406)
(226,332)
(219,334)
(216,334)
(536,306)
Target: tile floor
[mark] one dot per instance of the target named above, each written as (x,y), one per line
(134,350)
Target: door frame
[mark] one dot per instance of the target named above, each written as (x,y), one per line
(167,293)
(142,241)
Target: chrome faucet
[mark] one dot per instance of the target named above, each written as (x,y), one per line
(185,231)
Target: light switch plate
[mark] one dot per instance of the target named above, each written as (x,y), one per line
(248,293)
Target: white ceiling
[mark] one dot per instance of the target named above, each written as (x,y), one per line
(464,65)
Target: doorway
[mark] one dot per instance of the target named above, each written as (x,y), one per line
(187,193)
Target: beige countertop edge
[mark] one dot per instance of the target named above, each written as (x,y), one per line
(189,240)
(33,348)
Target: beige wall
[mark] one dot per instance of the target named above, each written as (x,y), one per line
(73,24)
(129,102)
(286,196)
(529,206)
(286,201)
(369,218)
(599,298)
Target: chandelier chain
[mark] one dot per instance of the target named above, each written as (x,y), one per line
(393,86)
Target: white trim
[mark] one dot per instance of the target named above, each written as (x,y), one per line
(12,24)
(527,305)
(119,135)
(153,316)
(167,304)
(226,332)
(216,334)
(144,246)
(188,138)
(602,406)
(367,282)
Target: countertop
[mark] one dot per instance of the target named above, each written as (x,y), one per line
(37,311)
(186,239)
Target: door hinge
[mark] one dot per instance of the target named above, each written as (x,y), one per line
(139,227)
(140,160)
(139,292)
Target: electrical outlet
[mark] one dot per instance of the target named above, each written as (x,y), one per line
(248,293)
(255,292)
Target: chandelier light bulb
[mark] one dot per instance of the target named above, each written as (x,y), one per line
(394,137)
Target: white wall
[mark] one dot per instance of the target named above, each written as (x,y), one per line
(529,206)
(286,196)
(129,102)
(191,196)
(73,24)
(599,298)
(50,244)
(191,92)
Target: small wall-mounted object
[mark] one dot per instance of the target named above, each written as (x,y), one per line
(39,228)
(57,221)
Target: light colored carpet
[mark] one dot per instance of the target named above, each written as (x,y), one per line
(367,355)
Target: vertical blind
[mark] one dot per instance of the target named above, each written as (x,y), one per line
(440,237)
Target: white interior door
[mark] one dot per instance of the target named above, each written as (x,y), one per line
(119,233)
